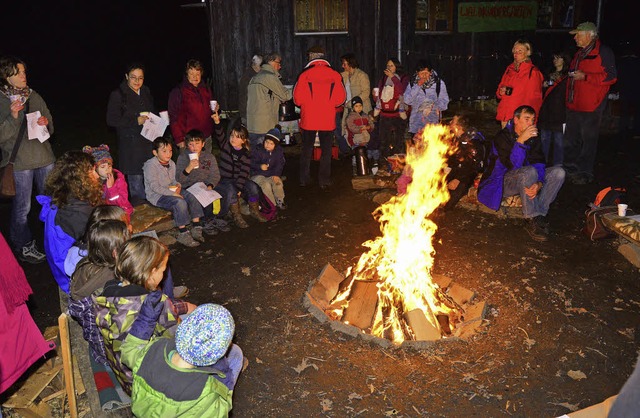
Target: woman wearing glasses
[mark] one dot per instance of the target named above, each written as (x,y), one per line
(126,112)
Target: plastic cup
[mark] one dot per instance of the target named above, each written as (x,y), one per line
(194,156)
(622,209)
(213,104)
(376,91)
(173,188)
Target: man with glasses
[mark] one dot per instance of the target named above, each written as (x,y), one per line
(265,93)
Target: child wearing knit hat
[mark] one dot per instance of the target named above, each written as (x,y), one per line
(192,374)
(114,185)
(267,163)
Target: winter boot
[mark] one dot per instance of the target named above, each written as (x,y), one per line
(237,216)
(255,212)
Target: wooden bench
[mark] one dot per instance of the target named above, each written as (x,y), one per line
(628,230)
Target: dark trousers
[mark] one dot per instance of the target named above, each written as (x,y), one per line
(581,140)
(392,132)
(324,172)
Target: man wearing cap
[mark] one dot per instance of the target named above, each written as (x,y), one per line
(591,73)
(318,92)
(265,93)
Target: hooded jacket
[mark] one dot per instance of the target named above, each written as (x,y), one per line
(599,67)
(318,92)
(265,92)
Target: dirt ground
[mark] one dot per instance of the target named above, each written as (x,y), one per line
(561,331)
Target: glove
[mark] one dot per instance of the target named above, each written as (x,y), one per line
(150,311)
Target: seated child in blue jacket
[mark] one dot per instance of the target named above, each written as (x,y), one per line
(267,163)
(191,374)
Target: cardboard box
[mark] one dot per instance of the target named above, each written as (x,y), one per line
(317,152)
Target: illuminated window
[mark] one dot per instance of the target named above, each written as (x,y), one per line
(313,16)
(434,15)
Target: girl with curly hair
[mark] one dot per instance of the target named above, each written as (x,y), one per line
(74,187)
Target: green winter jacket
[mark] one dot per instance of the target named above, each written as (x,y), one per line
(114,316)
(32,153)
(265,93)
(160,389)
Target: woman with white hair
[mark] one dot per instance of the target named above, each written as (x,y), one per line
(521,83)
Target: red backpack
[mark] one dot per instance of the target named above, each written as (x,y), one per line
(267,208)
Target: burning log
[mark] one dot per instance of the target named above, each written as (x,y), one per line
(363,302)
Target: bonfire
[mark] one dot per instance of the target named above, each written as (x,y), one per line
(400,261)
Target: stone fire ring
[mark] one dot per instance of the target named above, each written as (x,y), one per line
(325,287)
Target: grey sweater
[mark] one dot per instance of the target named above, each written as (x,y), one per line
(157,179)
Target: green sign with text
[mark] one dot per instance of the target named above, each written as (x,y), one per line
(497,16)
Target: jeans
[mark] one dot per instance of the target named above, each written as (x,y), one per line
(515,181)
(581,139)
(136,187)
(324,172)
(19,232)
(552,140)
(229,192)
(234,360)
(183,210)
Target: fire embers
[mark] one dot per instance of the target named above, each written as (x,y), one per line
(364,313)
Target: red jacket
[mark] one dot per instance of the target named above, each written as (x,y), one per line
(189,109)
(318,92)
(527,89)
(599,67)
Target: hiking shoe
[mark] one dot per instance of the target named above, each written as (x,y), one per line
(244,208)
(209,229)
(196,233)
(218,224)
(180,292)
(280,204)
(186,239)
(30,254)
(535,230)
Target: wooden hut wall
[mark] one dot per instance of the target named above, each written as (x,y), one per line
(471,64)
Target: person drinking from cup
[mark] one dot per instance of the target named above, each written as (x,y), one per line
(521,83)
(517,167)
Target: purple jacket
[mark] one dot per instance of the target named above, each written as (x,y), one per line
(506,155)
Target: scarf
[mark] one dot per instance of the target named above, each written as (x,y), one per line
(579,57)
(11,91)
(431,81)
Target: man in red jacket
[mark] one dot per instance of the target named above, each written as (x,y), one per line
(318,91)
(591,73)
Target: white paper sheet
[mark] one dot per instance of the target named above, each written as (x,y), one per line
(204,195)
(35,131)
(153,127)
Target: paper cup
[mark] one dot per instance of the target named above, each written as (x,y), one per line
(145,114)
(213,104)
(376,91)
(194,156)
(622,209)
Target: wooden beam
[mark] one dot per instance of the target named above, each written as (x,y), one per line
(67,365)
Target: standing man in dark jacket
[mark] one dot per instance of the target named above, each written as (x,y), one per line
(189,106)
(517,167)
(592,72)
(318,92)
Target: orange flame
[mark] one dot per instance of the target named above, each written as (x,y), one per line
(402,258)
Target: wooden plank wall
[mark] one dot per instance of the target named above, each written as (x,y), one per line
(471,64)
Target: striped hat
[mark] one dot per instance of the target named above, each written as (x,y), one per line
(99,153)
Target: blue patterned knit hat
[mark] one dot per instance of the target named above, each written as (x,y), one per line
(205,335)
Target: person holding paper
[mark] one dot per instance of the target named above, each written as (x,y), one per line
(127,111)
(200,166)
(34,159)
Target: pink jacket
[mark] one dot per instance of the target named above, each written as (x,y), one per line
(118,195)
